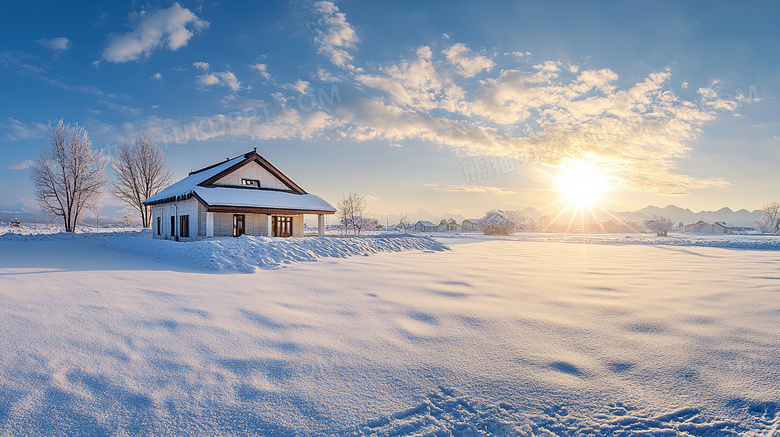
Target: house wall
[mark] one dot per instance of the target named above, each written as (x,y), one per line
(177,209)
(254,171)
(256,224)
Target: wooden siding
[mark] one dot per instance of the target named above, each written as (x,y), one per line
(254,171)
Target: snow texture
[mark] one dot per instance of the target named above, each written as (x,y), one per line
(242,254)
(262,199)
(119,335)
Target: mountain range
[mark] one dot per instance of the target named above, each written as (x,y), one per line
(26,212)
(741,217)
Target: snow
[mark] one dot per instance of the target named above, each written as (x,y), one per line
(243,254)
(215,196)
(110,335)
(189,183)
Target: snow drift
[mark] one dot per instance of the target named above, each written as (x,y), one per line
(243,254)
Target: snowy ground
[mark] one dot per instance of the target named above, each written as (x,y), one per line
(497,336)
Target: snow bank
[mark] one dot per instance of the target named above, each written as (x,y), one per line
(243,254)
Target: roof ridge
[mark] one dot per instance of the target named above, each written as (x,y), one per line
(243,155)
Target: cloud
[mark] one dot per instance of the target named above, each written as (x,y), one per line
(17,130)
(20,165)
(55,44)
(225,78)
(170,28)
(157,76)
(201,65)
(262,70)
(468,62)
(472,189)
(336,36)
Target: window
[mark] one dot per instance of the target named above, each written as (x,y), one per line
(252,183)
(159,225)
(282,226)
(184,226)
(173,226)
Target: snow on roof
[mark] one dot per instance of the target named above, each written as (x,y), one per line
(222,196)
(425,223)
(725,224)
(189,183)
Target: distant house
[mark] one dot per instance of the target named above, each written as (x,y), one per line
(608,226)
(703,227)
(245,195)
(424,226)
(448,225)
(470,225)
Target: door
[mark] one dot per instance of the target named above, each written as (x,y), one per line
(173,226)
(282,226)
(239,227)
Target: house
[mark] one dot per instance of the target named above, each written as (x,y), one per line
(448,225)
(470,225)
(608,226)
(716,228)
(424,226)
(245,195)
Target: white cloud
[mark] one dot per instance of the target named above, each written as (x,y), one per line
(522,54)
(60,43)
(336,36)
(20,165)
(472,189)
(467,61)
(225,78)
(171,28)
(201,65)
(445,36)
(157,76)
(262,70)
(17,130)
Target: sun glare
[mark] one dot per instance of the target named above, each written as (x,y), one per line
(580,183)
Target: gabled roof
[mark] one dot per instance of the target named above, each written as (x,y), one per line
(199,183)
(426,223)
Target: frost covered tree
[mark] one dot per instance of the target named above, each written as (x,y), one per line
(141,171)
(403,223)
(497,222)
(68,175)
(660,225)
(770,221)
(351,210)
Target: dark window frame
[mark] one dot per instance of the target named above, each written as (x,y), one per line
(236,219)
(250,183)
(184,226)
(282,226)
(159,225)
(173,226)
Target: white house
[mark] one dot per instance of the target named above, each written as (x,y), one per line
(424,226)
(448,225)
(470,225)
(242,195)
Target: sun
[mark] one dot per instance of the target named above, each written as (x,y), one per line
(581,183)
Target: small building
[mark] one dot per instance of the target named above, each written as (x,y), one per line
(703,227)
(608,226)
(245,195)
(470,225)
(447,225)
(424,226)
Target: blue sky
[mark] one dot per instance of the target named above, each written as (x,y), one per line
(673,101)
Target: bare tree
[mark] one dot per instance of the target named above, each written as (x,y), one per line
(351,210)
(344,211)
(770,221)
(404,223)
(68,175)
(141,172)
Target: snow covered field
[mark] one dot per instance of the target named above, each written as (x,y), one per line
(121,335)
